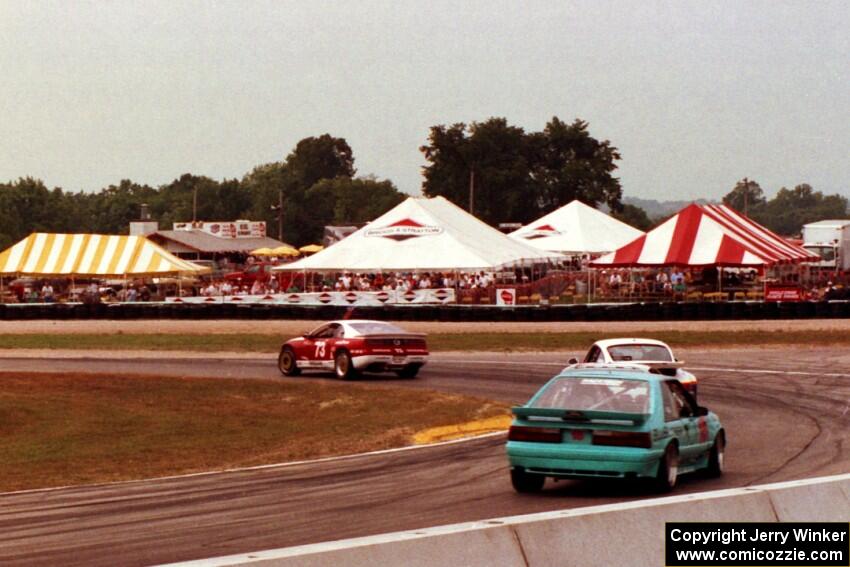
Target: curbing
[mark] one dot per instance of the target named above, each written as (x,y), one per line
(596,535)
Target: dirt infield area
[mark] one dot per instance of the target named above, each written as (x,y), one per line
(297,327)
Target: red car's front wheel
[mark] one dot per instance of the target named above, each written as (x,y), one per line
(286,362)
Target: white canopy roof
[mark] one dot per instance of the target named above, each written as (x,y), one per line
(423,234)
(577,228)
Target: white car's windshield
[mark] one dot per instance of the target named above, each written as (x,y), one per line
(599,394)
(632,353)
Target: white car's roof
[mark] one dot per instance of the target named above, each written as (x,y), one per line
(606,343)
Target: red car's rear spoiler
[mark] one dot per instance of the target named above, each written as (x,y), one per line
(394,336)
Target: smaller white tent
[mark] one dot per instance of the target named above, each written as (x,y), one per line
(419,235)
(577,228)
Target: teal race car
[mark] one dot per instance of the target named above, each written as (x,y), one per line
(612,421)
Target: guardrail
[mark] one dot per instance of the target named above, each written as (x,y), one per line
(618,534)
(578,312)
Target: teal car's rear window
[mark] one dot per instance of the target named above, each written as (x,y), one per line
(600,394)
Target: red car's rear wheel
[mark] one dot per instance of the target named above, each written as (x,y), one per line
(343,365)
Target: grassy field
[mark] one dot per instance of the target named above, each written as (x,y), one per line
(64,429)
(436,341)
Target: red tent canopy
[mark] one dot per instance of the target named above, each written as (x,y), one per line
(707,235)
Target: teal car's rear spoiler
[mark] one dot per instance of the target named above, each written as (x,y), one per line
(578,416)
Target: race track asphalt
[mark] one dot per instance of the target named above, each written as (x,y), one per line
(786,411)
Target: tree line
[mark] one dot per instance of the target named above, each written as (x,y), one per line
(789,209)
(510,175)
(316,183)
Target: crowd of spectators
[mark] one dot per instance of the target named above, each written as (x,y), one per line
(671,281)
(227,288)
(604,284)
(408,281)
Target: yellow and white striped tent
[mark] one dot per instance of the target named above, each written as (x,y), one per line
(93,255)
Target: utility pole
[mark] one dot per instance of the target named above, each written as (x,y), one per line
(280,214)
(746,194)
(471,191)
(194,205)
(279,210)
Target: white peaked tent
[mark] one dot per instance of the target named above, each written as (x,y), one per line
(423,234)
(577,228)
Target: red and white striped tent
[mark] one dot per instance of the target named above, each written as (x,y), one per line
(707,235)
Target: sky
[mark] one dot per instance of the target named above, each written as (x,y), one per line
(696,95)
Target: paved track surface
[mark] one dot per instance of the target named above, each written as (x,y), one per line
(787,413)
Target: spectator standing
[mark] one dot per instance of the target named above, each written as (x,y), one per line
(226,288)
(258,288)
(47,293)
(677,279)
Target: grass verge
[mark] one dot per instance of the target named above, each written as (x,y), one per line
(65,429)
(436,341)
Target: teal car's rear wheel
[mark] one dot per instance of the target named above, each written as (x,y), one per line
(716,458)
(526,483)
(668,469)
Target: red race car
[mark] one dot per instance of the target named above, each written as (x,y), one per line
(351,346)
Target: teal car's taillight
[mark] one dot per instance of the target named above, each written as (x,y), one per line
(622,439)
(536,434)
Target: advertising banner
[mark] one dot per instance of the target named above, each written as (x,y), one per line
(506,296)
(775,292)
(235,229)
(361,298)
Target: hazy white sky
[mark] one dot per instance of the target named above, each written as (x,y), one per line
(695,94)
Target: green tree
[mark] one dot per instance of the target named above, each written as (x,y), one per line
(571,164)
(343,201)
(790,209)
(747,197)
(112,209)
(493,157)
(317,158)
(312,160)
(263,186)
(519,176)
(634,216)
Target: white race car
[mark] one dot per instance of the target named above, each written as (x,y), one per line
(645,352)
